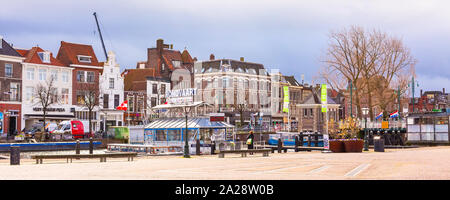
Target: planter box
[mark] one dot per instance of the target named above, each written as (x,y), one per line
(354,145)
(336,146)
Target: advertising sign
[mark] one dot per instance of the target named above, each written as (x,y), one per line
(325,142)
(286,99)
(323,97)
(217,117)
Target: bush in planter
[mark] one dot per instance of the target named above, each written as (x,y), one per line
(336,145)
(353,145)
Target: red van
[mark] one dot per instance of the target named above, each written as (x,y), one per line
(74,127)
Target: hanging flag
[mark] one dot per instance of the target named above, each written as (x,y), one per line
(379,115)
(123,106)
(394,114)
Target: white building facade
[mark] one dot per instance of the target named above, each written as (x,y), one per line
(111,93)
(36,73)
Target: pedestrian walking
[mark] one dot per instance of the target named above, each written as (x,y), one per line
(250,139)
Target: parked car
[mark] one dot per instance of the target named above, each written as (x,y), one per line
(73,127)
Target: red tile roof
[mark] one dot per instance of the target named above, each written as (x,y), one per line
(31,56)
(131,76)
(68,54)
(186,57)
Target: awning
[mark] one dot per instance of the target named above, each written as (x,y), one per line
(168,106)
(181,123)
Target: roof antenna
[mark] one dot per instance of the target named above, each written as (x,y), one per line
(101,38)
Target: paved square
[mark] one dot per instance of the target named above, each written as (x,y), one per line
(418,163)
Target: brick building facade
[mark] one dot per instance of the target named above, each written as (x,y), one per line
(10,89)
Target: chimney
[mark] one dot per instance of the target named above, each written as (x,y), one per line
(443,90)
(242,59)
(212,57)
(159,45)
(421,93)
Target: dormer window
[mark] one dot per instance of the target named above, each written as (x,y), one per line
(85,59)
(45,56)
(176,63)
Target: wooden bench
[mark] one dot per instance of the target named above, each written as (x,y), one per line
(129,155)
(299,148)
(244,152)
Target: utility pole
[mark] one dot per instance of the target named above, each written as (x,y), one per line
(101,37)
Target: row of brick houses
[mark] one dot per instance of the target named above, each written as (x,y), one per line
(233,87)
(74,70)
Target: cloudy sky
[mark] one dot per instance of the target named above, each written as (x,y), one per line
(286,35)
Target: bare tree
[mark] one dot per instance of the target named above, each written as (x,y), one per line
(374,62)
(91,95)
(46,95)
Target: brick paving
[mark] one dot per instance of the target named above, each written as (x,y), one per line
(416,164)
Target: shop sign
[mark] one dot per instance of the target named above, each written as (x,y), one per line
(217,117)
(37,109)
(189,92)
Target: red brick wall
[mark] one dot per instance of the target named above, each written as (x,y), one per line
(76,86)
(6,107)
(6,81)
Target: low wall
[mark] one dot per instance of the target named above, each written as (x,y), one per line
(47,146)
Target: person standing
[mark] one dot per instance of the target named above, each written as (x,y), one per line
(250,139)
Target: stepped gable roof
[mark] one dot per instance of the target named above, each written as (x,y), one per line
(134,75)
(7,49)
(68,54)
(31,56)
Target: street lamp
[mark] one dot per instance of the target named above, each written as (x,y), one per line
(186,145)
(365,112)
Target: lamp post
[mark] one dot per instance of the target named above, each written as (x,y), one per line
(366,138)
(186,145)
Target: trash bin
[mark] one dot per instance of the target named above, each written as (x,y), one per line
(15,155)
(378,144)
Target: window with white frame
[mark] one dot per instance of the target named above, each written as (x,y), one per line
(42,74)
(90,77)
(85,59)
(64,95)
(80,76)
(29,94)
(8,70)
(44,56)
(111,83)
(65,76)
(54,75)
(14,92)
(30,73)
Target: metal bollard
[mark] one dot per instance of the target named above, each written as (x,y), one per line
(316,138)
(280,145)
(15,155)
(91,146)
(309,140)
(213,147)
(77,148)
(301,139)
(197,147)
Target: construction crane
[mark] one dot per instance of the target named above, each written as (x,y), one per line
(101,38)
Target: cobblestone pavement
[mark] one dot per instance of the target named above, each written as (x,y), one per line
(418,163)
